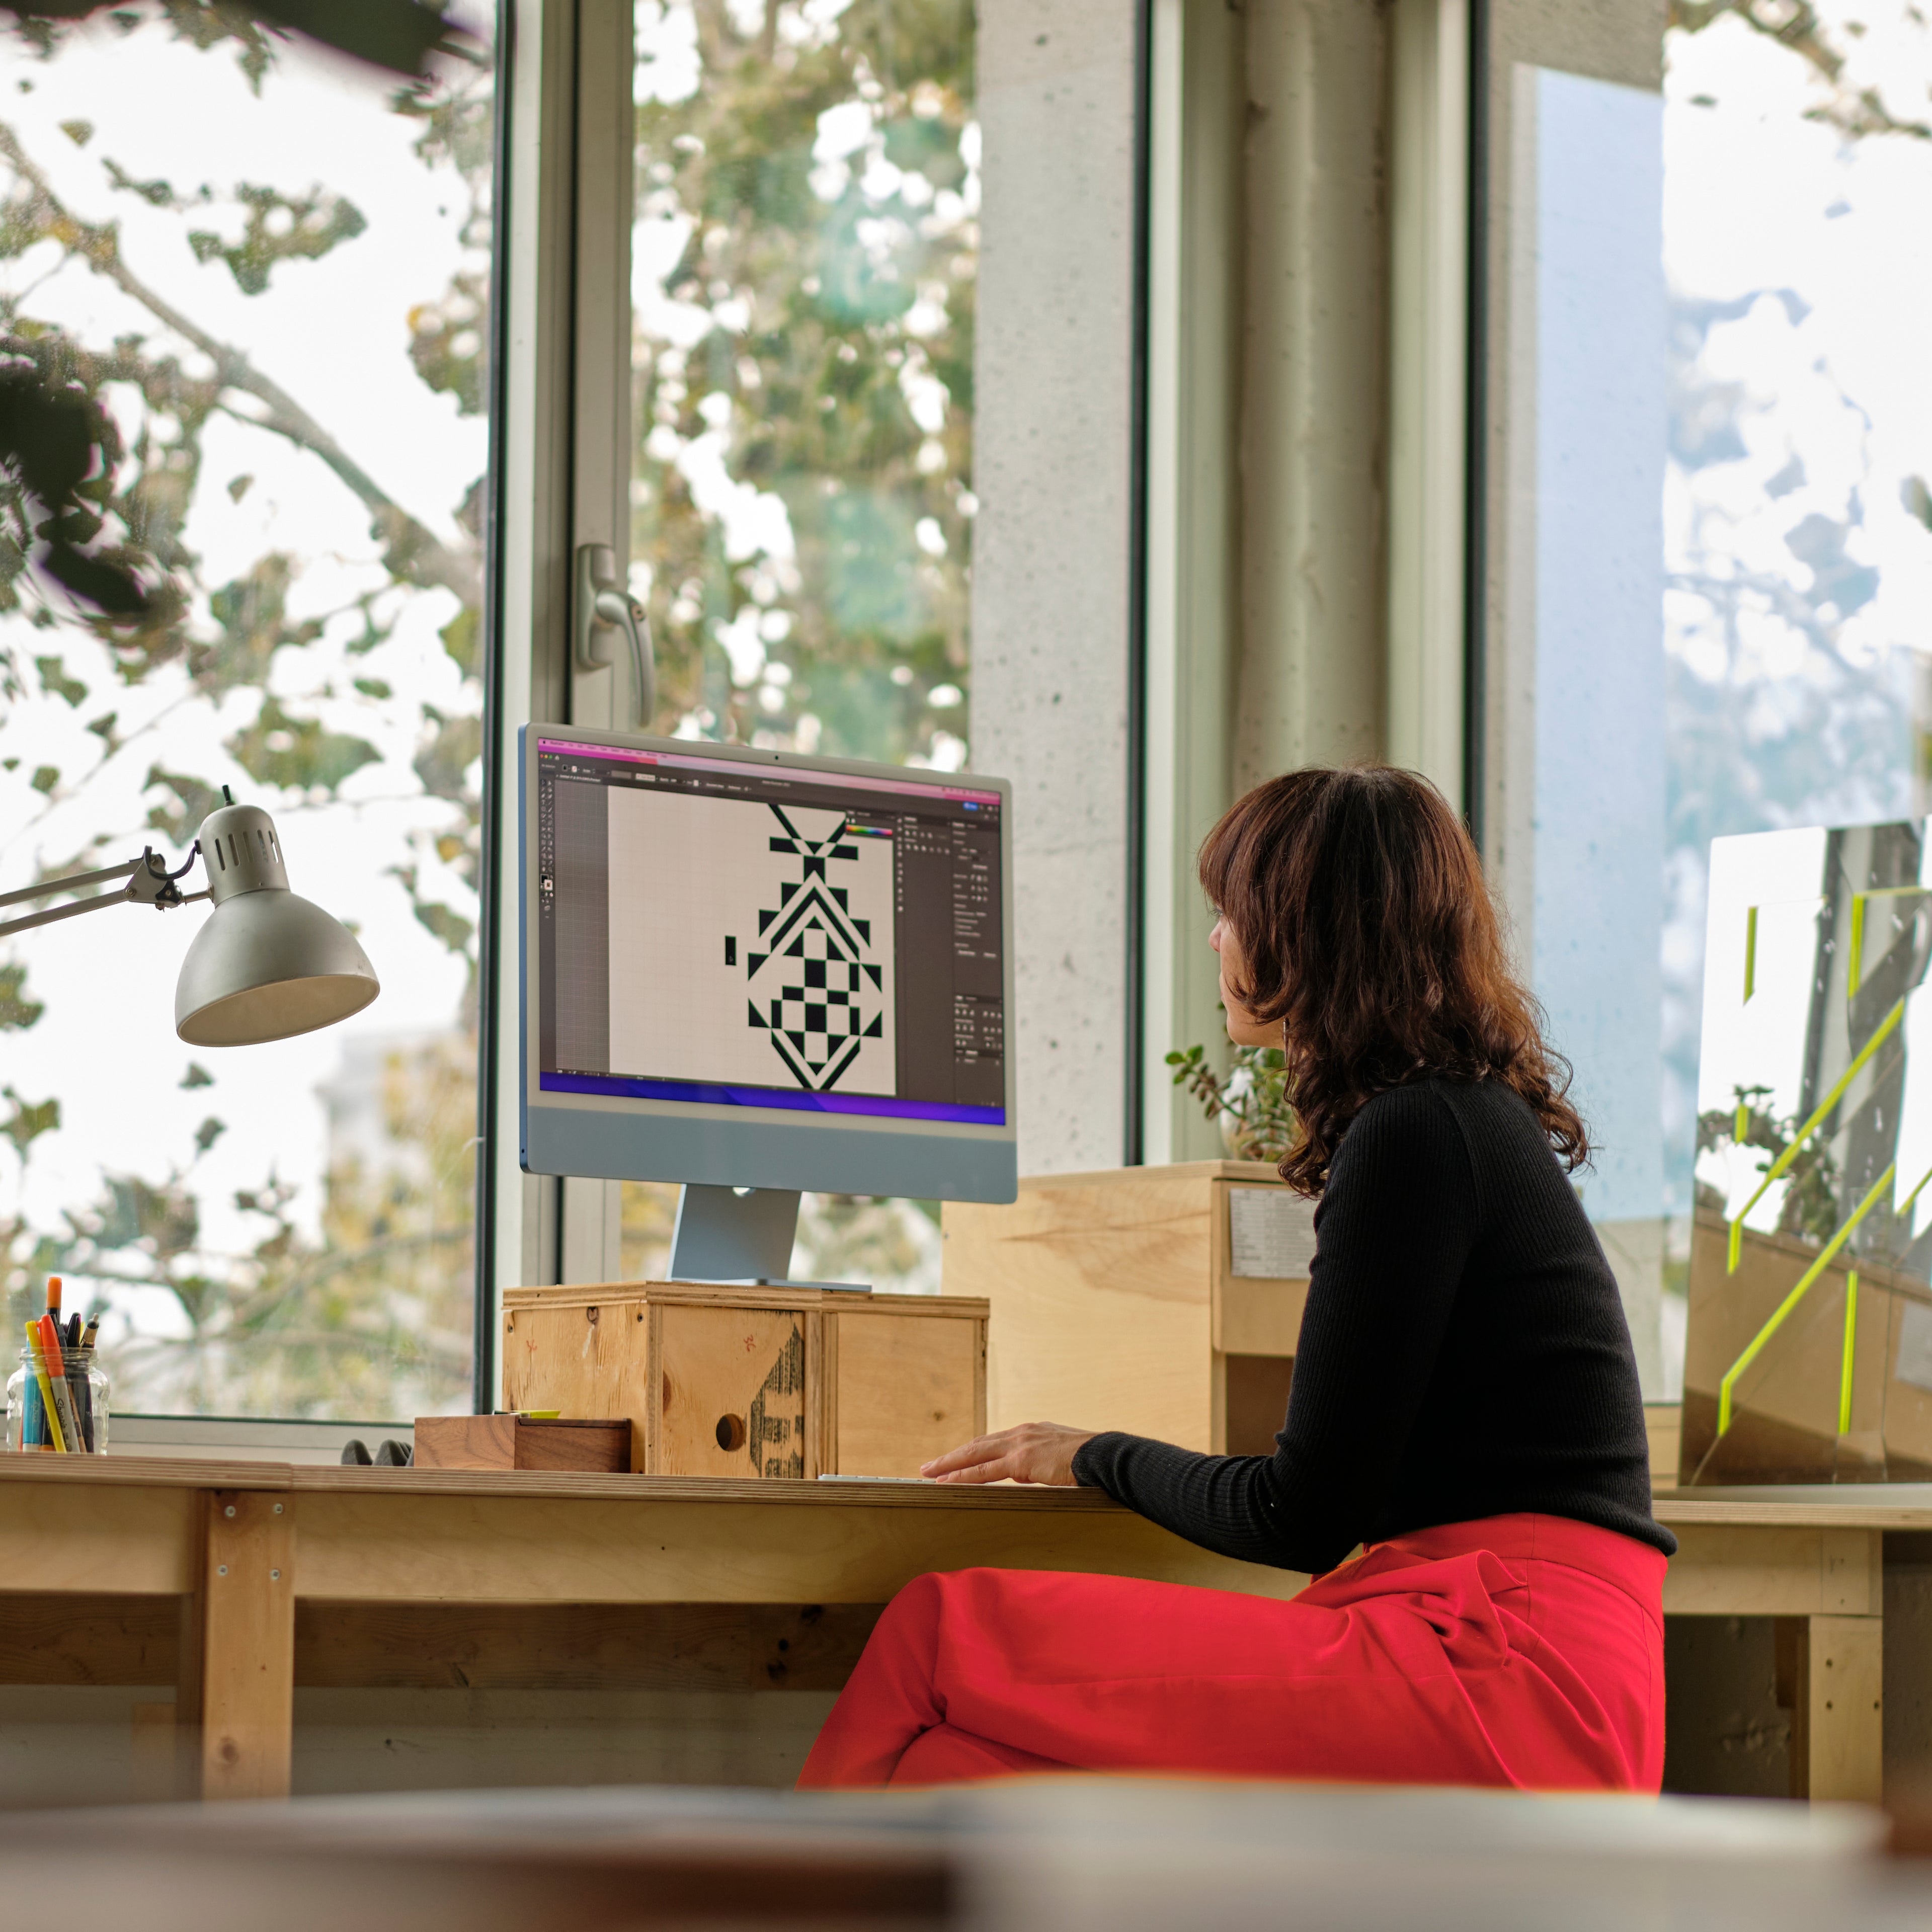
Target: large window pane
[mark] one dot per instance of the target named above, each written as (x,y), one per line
(270,266)
(1798,175)
(804,256)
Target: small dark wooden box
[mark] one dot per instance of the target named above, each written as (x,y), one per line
(522,1442)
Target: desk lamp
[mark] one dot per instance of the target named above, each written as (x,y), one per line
(268,965)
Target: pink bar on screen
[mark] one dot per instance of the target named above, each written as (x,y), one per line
(792,772)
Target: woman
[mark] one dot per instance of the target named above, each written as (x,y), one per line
(1465,1403)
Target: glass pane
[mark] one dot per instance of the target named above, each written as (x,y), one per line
(269,266)
(1797,175)
(804,258)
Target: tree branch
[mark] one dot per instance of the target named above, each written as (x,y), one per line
(412,552)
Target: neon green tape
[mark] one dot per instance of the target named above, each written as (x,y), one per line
(1857,959)
(1797,1294)
(1751,953)
(1851,1338)
(1775,1171)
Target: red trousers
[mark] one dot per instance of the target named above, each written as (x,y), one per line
(1521,1650)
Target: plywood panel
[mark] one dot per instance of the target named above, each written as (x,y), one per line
(907,1391)
(733,1391)
(1257,1388)
(1100,1290)
(88,1639)
(1733,1571)
(1258,1317)
(247,1681)
(1838,1719)
(582,1359)
(598,1647)
(101,1536)
(398,1547)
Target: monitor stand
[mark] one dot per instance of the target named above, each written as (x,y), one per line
(734,1234)
(742,1235)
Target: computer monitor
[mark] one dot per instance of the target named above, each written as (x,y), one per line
(752,970)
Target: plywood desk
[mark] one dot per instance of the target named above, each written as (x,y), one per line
(239,1580)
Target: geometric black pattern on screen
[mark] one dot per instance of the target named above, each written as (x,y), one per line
(816,1001)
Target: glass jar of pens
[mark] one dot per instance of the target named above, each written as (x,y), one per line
(57,1398)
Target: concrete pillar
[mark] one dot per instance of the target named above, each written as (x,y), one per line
(1052,464)
(1314,449)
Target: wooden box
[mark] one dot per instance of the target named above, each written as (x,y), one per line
(1163,1301)
(744,1381)
(522,1442)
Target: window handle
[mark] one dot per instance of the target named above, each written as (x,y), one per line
(599,607)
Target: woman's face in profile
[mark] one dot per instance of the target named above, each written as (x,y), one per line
(1244,1029)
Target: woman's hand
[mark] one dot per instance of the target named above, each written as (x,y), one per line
(1036,1452)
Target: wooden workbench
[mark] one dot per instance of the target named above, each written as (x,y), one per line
(239,1580)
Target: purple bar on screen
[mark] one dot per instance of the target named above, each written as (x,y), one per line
(880,1106)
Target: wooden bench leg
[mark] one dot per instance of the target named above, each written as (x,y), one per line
(1832,1671)
(235,1697)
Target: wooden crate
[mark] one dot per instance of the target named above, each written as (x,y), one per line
(1116,1303)
(739,1381)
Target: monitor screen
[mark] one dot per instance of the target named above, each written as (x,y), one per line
(721,934)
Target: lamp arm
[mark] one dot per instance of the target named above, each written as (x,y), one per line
(48,887)
(149,882)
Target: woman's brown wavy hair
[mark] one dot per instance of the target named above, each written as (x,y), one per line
(1367,929)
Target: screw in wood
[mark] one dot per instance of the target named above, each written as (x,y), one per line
(230,1511)
(221,1569)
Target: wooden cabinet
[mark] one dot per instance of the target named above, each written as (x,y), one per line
(1163,1301)
(748,1381)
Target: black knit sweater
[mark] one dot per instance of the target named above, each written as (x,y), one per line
(1463,1354)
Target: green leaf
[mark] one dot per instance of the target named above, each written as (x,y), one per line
(459,638)
(253,613)
(447,924)
(210,1131)
(45,779)
(29,1120)
(374,687)
(197,1076)
(156,193)
(55,680)
(298,753)
(17,1012)
(194,799)
(442,762)
(447,339)
(316,222)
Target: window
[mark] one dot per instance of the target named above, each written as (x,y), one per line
(1798,523)
(270,267)
(803,262)
(1713,380)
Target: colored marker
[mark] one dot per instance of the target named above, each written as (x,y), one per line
(75,1442)
(40,1376)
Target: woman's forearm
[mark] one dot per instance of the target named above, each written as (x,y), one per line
(1226,1503)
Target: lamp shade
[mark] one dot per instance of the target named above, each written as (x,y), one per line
(268,964)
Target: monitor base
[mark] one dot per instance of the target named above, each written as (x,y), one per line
(740,1235)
